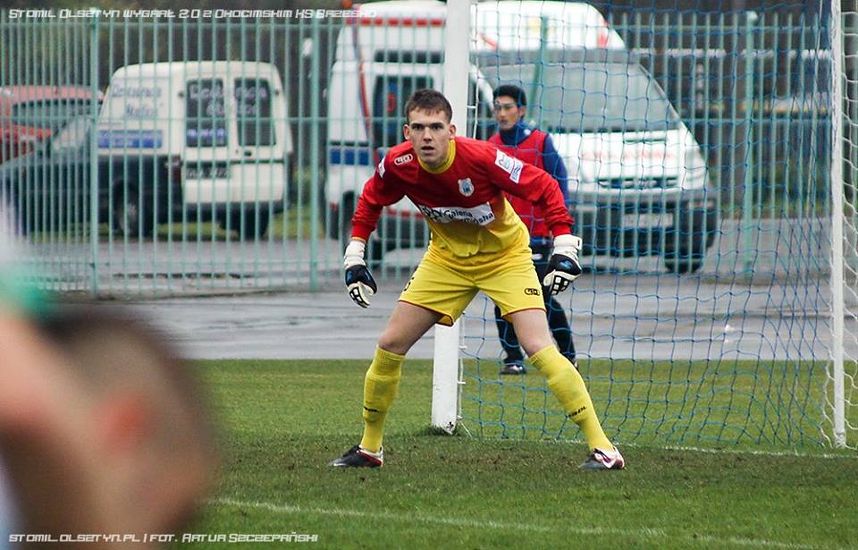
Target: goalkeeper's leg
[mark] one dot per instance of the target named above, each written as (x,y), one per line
(406,325)
(380,387)
(564,381)
(560,329)
(435,294)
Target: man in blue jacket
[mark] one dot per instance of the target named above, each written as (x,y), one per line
(535,147)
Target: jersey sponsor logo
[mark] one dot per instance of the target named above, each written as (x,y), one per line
(510,165)
(477,215)
(381,168)
(531,291)
(466,187)
(504,161)
(399,161)
(515,175)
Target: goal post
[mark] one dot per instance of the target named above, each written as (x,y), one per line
(837,249)
(445,377)
(842,386)
(718,315)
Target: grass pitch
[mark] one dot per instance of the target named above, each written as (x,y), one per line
(284,420)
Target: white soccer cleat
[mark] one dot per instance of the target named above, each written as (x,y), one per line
(604,460)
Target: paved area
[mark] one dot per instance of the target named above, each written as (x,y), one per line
(623,308)
(614,315)
(291,325)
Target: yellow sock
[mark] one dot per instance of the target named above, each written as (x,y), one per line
(379,390)
(568,386)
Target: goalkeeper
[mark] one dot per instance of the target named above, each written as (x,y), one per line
(534,147)
(478,243)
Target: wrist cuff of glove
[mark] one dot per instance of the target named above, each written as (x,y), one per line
(567,241)
(355,252)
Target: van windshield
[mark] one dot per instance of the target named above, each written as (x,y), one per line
(590,96)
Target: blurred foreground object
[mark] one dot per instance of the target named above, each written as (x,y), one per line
(103,428)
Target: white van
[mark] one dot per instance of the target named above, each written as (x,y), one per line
(196,139)
(637,178)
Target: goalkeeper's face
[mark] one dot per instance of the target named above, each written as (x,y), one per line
(430,134)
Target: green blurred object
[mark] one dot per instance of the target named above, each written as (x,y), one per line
(19,291)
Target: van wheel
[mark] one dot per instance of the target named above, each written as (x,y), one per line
(685,244)
(333,223)
(346,209)
(683,266)
(683,260)
(252,226)
(130,217)
(375,250)
(14,216)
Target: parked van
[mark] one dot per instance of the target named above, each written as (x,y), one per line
(637,178)
(638,186)
(198,139)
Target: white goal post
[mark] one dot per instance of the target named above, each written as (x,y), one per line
(844,222)
(837,249)
(445,379)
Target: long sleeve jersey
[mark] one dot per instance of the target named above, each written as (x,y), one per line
(463,200)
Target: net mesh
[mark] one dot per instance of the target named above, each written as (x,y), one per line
(699,154)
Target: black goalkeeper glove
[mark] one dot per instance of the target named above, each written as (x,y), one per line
(359,281)
(563,266)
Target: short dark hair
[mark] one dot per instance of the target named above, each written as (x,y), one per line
(430,101)
(513,91)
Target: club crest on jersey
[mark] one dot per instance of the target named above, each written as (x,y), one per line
(466,187)
(399,161)
(510,165)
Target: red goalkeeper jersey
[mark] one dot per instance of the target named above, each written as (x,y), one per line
(463,200)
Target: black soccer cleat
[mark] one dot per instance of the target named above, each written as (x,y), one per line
(356,457)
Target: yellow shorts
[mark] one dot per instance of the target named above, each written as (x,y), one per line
(510,281)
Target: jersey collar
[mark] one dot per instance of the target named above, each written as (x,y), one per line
(516,134)
(451,156)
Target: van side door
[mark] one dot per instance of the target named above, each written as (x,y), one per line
(207,167)
(260,138)
(234,142)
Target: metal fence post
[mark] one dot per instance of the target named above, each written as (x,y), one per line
(93,156)
(315,117)
(748,173)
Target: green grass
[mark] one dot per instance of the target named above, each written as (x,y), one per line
(284,420)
